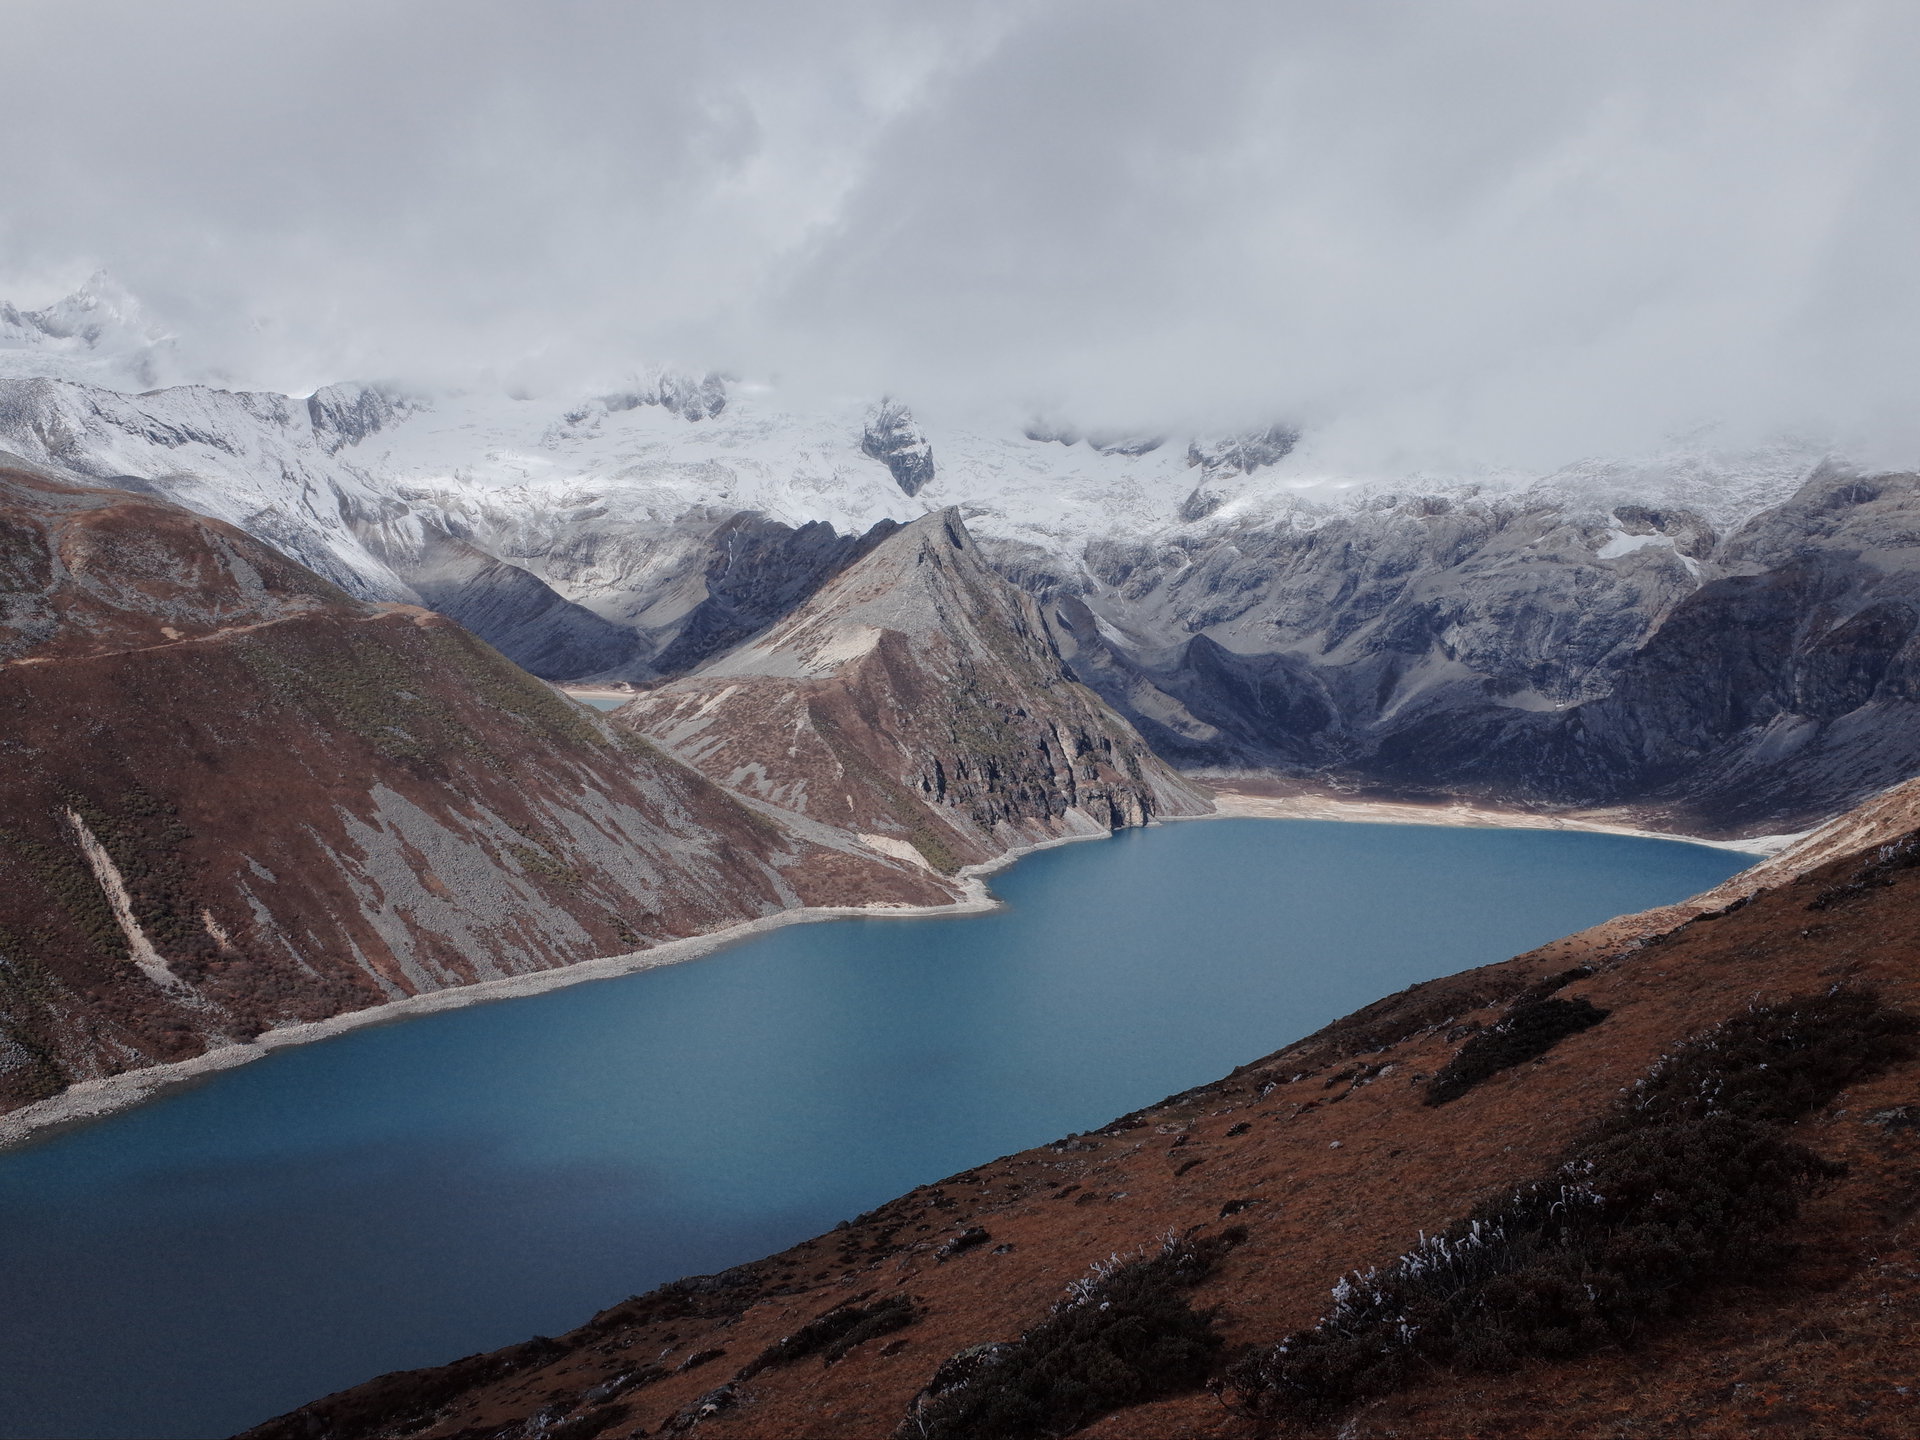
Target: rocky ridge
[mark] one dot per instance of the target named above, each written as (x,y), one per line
(920,698)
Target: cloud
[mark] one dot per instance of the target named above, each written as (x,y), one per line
(1498,229)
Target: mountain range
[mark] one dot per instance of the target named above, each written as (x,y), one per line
(1508,637)
(288,743)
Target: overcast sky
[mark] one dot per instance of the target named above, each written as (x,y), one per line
(1530,229)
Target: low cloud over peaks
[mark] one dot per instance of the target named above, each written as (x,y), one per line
(1506,231)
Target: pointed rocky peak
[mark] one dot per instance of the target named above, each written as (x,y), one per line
(926,580)
(1244,453)
(896,441)
(99,334)
(344,415)
(689,398)
(99,308)
(919,699)
(1220,461)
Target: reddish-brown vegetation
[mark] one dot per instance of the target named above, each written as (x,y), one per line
(1329,1158)
(313,805)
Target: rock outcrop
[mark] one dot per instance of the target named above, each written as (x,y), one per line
(920,698)
(235,797)
(895,441)
(1304,1175)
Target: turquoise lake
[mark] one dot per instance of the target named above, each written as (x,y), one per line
(413,1192)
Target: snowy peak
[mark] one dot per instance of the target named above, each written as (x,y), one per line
(678,393)
(344,415)
(895,441)
(100,334)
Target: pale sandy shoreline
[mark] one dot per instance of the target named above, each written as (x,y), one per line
(1233,803)
(95,1099)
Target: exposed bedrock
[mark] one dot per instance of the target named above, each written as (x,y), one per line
(892,438)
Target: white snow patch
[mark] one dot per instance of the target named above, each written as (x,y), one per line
(1620,543)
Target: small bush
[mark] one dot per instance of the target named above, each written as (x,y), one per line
(835,1333)
(1529,1030)
(1885,867)
(1124,1335)
(1775,1062)
(966,1240)
(1688,1183)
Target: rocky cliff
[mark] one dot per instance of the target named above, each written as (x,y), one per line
(1713,1124)
(235,797)
(919,698)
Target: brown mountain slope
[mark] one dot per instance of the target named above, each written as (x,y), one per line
(232,798)
(919,698)
(1328,1155)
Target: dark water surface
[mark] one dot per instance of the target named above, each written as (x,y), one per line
(409,1193)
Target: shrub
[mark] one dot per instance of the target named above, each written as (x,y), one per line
(1529,1030)
(835,1333)
(1124,1335)
(1689,1182)
(1775,1062)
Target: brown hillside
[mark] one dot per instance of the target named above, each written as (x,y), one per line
(234,798)
(1328,1156)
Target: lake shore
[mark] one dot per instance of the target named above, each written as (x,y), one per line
(94,1099)
(91,1100)
(1279,800)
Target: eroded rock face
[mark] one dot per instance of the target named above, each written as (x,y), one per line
(234,797)
(918,697)
(895,441)
(685,396)
(344,415)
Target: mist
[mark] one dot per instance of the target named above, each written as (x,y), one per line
(1431,234)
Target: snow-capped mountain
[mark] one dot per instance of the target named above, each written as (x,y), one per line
(98,335)
(1243,601)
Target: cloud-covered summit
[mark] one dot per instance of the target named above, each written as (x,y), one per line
(1502,230)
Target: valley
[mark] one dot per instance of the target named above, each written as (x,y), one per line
(1054,721)
(1303,1175)
(384,703)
